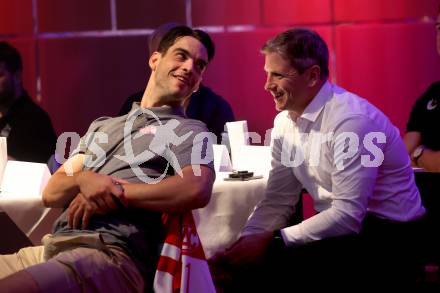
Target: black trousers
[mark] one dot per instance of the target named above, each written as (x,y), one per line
(385,255)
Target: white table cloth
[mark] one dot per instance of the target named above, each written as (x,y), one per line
(232,202)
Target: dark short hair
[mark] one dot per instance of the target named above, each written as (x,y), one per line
(183,31)
(303,48)
(10,57)
(156,36)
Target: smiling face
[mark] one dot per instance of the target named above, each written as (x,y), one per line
(288,87)
(178,72)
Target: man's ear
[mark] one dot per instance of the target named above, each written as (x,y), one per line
(154,59)
(314,75)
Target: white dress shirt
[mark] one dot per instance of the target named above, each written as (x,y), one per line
(354,162)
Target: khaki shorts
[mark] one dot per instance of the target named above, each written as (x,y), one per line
(80,263)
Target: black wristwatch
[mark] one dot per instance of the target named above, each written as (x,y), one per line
(417,153)
(278,240)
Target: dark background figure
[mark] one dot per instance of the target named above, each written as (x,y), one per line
(204,104)
(422,138)
(27,127)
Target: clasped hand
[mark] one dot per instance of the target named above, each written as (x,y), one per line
(97,196)
(248,250)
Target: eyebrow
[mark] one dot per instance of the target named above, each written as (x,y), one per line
(273,72)
(278,73)
(186,52)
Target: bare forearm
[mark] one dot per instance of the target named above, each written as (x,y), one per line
(412,140)
(60,190)
(173,194)
(63,186)
(430,160)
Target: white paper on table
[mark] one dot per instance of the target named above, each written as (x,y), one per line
(222,162)
(24,178)
(254,158)
(3,156)
(238,137)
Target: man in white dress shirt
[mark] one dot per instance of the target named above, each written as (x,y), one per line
(351,160)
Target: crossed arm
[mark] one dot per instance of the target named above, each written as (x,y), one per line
(87,193)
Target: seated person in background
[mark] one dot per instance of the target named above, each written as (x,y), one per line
(204,104)
(353,163)
(27,128)
(422,138)
(107,239)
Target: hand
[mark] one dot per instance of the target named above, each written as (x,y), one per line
(80,210)
(119,180)
(99,189)
(248,250)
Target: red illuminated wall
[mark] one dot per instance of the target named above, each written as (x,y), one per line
(82,58)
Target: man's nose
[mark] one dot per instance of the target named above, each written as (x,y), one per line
(269,84)
(188,66)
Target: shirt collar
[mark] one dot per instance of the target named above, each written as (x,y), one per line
(314,108)
(163,111)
